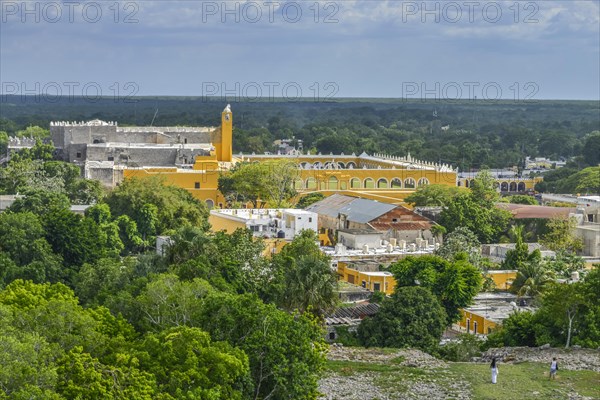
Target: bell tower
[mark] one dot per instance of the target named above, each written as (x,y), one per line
(224,148)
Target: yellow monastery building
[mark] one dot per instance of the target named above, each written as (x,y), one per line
(379,177)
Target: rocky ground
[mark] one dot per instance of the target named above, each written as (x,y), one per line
(385,374)
(367,385)
(574,359)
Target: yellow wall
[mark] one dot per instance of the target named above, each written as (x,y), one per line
(387,283)
(503,279)
(205,174)
(220,223)
(484,326)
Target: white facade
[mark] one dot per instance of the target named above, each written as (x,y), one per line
(272,223)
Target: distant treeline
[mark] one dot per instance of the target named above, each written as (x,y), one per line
(468,134)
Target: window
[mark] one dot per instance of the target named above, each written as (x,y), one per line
(333,183)
(331,335)
(78,155)
(396,183)
(111,158)
(468,325)
(309,219)
(475,327)
(185,141)
(364,284)
(382,183)
(197,185)
(377,287)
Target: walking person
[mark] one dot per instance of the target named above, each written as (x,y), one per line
(494,368)
(553,368)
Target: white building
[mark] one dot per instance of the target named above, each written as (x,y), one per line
(267,223)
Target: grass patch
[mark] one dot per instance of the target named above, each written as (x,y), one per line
(525,381)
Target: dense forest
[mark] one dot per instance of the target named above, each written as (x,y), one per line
(476,133)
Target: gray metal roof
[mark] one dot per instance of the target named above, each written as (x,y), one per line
(331,205)
(363,210)
(356,209)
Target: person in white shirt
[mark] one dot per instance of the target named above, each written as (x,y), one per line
(494,368)
(553,368)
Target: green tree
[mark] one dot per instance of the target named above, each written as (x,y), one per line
(564,302)
(303,278)
(432,195)
(454,283)
(271,181)
(533,276)
(591,149)
(520,254)
(3,143)
(188,365)
(175,207)
(560,235)
(85,377)
(522,199)
(309,199)
(77,239)
(459,241)
(519,329)
(24,250)
(411,317)
(476,210)
(34,132)
(286,351)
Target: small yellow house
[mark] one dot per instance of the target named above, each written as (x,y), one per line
(503,279)
(489,310)
(374,281)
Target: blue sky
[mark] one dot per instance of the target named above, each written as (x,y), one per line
(414,49)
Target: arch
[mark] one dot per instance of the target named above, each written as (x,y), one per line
(355,183)
(466,183)
(504,187)
(210,204)
(329,165)
(409,183)
(311,183)
(333,183)
(369,183)
(382,183)
(472,182)
(513,187)
(496,185)
(305,165)
(298,184)
(341,165)
(521,186)
(396,183)
(318,165)
(423,182)
(459,183)
(351,165)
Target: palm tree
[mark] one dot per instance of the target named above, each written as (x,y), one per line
(310,284)
(532,278)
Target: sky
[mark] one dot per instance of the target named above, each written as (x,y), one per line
(245,50)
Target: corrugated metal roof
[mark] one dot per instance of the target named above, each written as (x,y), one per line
(357,311)
(364,210)
(331,205)
(356,209)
